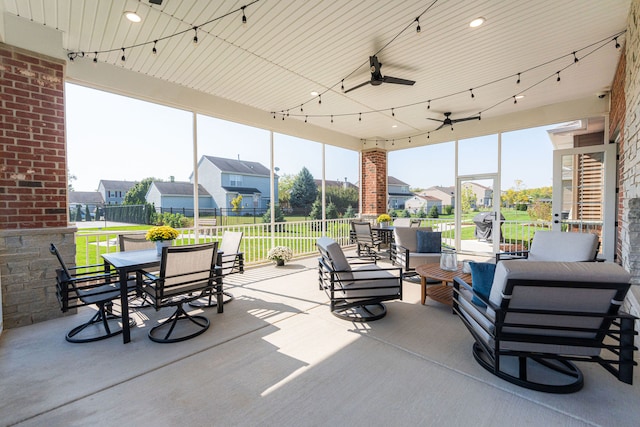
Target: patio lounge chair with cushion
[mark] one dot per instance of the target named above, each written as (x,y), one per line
(557,246)
(355,294)
(408,252)
(368,245)
(88,285)
(230,260)
(540,316)
(186,272)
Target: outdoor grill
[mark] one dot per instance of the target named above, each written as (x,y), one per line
(484,225)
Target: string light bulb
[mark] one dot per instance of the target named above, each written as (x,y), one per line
(195,36)
(575,58)
(342,85)
(305,119)
(472,95)
(123,58)
(393,114)
(518,81)
(428,104)
(418,29)
(244,17)
(301,109)
(319,99)
(515,100)
(558,78)
(332,118)
(617,43)
(360,117)
(154,50)
(95,57)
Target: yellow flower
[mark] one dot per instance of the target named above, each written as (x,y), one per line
(163,232)
(384,218)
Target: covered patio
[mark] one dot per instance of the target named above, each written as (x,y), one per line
(276,356)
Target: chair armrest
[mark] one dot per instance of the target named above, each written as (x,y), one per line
(400,255)
(501,256)
(458,284)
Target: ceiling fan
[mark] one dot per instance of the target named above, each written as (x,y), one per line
(377,78)
(448,121)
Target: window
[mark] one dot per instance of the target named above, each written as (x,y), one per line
(235,180)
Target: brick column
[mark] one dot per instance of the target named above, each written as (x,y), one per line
(33,190)
(374,183)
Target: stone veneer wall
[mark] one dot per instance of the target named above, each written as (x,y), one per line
(33,184)
(374,183)
(630,159)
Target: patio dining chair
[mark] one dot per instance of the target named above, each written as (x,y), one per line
(368,245)
(230,260)
(136,242)
(186,273)
(81,286)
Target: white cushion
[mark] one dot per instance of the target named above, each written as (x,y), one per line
(337,257)
(384,286)
(561,246)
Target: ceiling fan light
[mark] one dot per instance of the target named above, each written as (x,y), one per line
(132,16)
(477,22)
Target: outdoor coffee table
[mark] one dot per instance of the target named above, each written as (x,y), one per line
(442,293)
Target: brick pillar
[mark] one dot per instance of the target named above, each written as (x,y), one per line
(33,190)
(374,183)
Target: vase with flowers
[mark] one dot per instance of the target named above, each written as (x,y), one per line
(384,220)
(280,254)
(162,236)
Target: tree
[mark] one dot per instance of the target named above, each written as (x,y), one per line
(468,199)
(341,196)
(70,178)
(278,215)
(349,213)
(331,212)
(304,190)
(138,193)
(433,212)
(285,183)
(87,213)
(236,202)
(316,209)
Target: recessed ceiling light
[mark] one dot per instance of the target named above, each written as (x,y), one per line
(394,126)
(477,22)
(519,96)
(132,16)
(314,93)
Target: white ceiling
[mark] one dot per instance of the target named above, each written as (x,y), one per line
(292,47)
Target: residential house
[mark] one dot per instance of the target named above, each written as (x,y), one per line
(483,195)
(113,192)
(82,199)
(446,194)
(398,193)
(225,179)
(177,197)
(418,202)
(334,183)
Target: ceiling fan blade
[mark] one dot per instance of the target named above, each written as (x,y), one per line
(464,119)
(396,80)
(358,86)
(439,127)
(435,120)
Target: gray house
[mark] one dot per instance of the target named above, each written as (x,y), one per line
(177,197)
(225,179)
(113,192)
(92,199)
(398,193)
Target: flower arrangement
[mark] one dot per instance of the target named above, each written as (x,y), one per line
(384,218)
(280,253)
(163,232)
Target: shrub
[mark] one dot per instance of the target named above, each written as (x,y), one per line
(433,212)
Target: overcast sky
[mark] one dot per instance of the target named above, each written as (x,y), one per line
(118,138)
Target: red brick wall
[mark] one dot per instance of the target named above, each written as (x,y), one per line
(374,182)
(33,178)
(616,126)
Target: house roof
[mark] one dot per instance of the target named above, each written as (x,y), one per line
(333,183)
(391,180)
(241,190)
(241,167)
(86,197)
(178,188)
(451,190)
(116,185)
(401,194)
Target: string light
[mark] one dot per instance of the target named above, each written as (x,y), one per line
(342,85)
(301,110)
(305,119)
(429,105)
(392,113)
(472,95)
(360,117)
(274,115)
(123,57)
(617,44)
(154,50)
(332,118)
(428,135)
(195,37)
(95,57)
(515,100)
(244,17)
(418,29)
(518,82)
(320,99)
(575,58)
(558,79)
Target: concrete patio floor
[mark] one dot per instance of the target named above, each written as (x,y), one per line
(276,356)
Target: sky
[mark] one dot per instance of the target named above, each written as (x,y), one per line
(114,137)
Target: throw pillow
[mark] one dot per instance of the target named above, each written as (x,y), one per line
(429,242)
(482,278)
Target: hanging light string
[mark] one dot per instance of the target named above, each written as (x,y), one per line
(80,54)
(519,75)
(603,43)
(364,64)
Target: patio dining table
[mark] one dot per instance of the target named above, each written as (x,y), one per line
(126,263)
